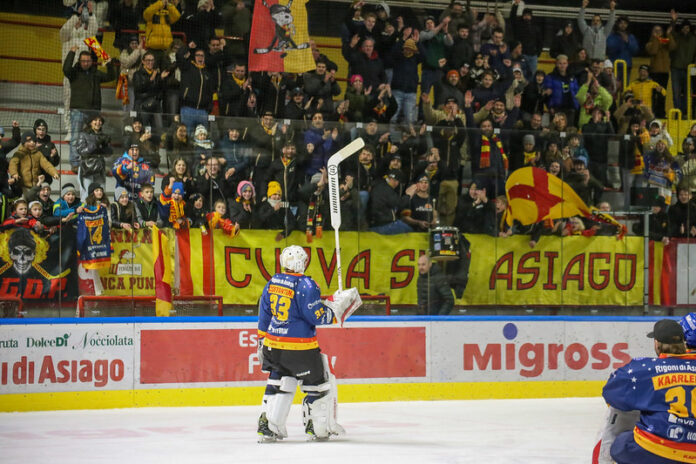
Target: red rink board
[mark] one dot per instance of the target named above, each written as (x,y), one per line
(216,355)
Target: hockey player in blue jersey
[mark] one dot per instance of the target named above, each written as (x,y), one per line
(652,404)
(289,311)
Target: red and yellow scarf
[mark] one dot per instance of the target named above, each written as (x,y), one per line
(485,161)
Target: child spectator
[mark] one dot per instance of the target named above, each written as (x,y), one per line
(95,198)
(66,206)
(28,162)
(172,205)
(146,207)
(92,146)
(243,208)
(123,215)
(49,223)
(531,156)
(20,218)
(217,220)
(202,148)
(196,212)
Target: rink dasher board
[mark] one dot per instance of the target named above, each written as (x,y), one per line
(138,362)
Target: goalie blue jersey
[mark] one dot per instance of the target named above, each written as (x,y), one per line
(289,311)
(664,391)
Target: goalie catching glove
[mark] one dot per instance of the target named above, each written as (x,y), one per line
(343,303)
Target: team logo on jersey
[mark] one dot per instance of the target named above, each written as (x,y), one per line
(675,432)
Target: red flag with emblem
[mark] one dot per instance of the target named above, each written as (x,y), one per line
(535,195)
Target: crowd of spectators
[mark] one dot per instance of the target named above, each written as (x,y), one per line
(260,162)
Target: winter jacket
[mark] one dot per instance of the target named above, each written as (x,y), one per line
(558,99)
(130,60)
(158,21)
(587,102)
(241,216)
(527,32)
(434,294)
(287,175)
(682,49)
(28,165)
(315,86)
(268,218)
(658,50)
(146,212)
(681,214)
(147,92)
(618,49)
(132,177)
(92,144)
(475,218)
(370,68)
(62,208)
(237,155)
(384,203)
(643,90)
(197,87)
(596,140)
(323,149)
(85,86)
(594,39)
(121,215)
(232,97)
(214,189)
(461,52)
(565,44)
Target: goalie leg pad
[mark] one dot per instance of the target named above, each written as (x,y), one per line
(278,405)
(318,411)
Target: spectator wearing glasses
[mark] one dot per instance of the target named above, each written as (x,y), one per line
(196,89)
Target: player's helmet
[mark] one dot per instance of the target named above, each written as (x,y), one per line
(294,259)
(688,323)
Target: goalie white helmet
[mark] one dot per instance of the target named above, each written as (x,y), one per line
(294,259)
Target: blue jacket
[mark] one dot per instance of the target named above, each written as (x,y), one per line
(556,83)
(289,311)
(617,49)
(323,149)
(236,153)
(61,208)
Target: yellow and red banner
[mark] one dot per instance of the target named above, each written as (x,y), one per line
(96,47)
(163,272)
(534,195)
(572,270)
(280,37)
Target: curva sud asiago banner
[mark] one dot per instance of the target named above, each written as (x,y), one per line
(69,357)
(568,271)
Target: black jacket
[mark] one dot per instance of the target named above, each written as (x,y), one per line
(384,204)
(434,294)
(268,218)
(681,214)
(197,87)
(147,92)
(85,86)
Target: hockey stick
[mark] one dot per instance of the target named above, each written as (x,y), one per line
(335,196)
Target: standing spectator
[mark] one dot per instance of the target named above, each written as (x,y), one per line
(622,45)
(148,87)
(462,51)
(146,208)
(407,54)
(123,214)
(27,164)
(196,88)
(658,50)
(213,185)
(436,42)
(137,134)
(458,16)
(596,135)
(215,60)
(418,210)
(171,206)
(687,159)
(594,37)
(561,88)
(529,34)
(566,41)
(385,205)
(123,14)
(275,214)
(482,31)
(533,95)
(172,82)
(200,26)
(364,174)
(85,93)
(178,144)
(131,172)
(357,98)
(179,173)
(591,95)
(682,215)
(475,212)
(489,161)
(236,154)
(46,146)
(66,206)
(321,86)
(365,62)
(644,88)
(608,80)
(92,147)
(42,194)
(320,144)
(233,88)
(631,108)
(285,171)
(72,35)
(497,51)
(130,58)
(661,170)
(434,294)
(682,48)
(447,89)
(159,18)
(236,22)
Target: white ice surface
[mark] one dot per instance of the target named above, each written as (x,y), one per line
(481,432)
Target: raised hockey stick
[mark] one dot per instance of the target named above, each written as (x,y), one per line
(335,195)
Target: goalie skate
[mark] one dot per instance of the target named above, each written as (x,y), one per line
(266,435)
